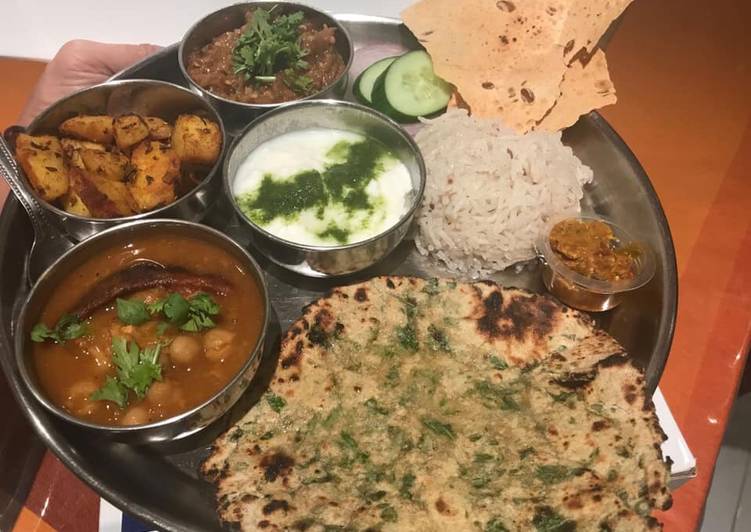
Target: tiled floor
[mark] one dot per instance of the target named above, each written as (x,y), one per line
(729,503)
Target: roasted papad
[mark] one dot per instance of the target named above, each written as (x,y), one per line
(409,404)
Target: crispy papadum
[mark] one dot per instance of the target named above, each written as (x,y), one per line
(410,404)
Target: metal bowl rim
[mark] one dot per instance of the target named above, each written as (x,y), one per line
(294,107)
(112,232)
(266,106)
(147,214)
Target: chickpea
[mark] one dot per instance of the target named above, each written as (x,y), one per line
(216,343)
(184,349)
(81,390)
(136,415)
(160,392)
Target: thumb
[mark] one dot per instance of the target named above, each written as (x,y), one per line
(112,58)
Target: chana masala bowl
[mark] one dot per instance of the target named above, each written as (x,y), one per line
(152,329)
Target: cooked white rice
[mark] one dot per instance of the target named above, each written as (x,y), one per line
(490,192)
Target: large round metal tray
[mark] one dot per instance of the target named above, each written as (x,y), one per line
(161,484)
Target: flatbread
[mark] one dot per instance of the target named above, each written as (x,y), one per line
(501,64)
(586,22)
(508,58)
(409,404)
(584,87)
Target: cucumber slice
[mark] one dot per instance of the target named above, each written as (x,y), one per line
(363,88)
(409,88)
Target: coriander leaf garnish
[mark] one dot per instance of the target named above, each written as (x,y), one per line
(176,308)
(41,332)
(113,391)
(137,369)
(132,311)
(268,47)
(192,315)
(68,327)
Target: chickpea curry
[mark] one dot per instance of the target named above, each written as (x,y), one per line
(590,248)
(159,326)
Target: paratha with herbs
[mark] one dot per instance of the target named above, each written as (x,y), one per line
(410,404)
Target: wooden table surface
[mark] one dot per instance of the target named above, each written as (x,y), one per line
(682,69)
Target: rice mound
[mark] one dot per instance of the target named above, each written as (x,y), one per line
(490,192)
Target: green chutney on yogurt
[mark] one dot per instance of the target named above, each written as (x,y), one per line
(323,187)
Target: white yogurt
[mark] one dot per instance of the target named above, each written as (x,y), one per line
(282,158)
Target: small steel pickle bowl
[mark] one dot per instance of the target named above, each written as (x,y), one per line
(173,428)
(334,260)
(146,98)
(237,114)
(585,293)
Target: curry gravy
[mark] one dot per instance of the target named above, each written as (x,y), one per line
(195,365)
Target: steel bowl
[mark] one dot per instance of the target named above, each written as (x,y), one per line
(144,97)
(238,114)
(327,261)
(172,428)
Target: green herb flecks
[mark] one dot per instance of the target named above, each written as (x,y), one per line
(406,486)
(374,406)
(351,449)
(68,327)
(276,402)
(137,369)
(269,46)
(497,395)
(498,363)
(438,339)
(548,520)
(440,428)
(495,525)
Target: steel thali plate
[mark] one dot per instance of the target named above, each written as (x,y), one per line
(160,484)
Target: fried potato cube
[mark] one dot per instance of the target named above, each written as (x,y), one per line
(157,169)
(41,158)
(94,128)
(72,150)
(158,129)
(129,131)
(196,140)
(72,203)
(103,198)
(113,166)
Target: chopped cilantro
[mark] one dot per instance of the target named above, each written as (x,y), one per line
(68,327)
(137,369)
(132,311)
(407,337)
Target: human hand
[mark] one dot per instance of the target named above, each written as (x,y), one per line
(77,65)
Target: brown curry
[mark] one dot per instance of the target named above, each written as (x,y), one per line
(187,354)
(590,248)
(270,59)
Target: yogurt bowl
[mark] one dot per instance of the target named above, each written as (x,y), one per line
(325,187)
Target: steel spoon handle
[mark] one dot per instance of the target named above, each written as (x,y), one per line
(10,172)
